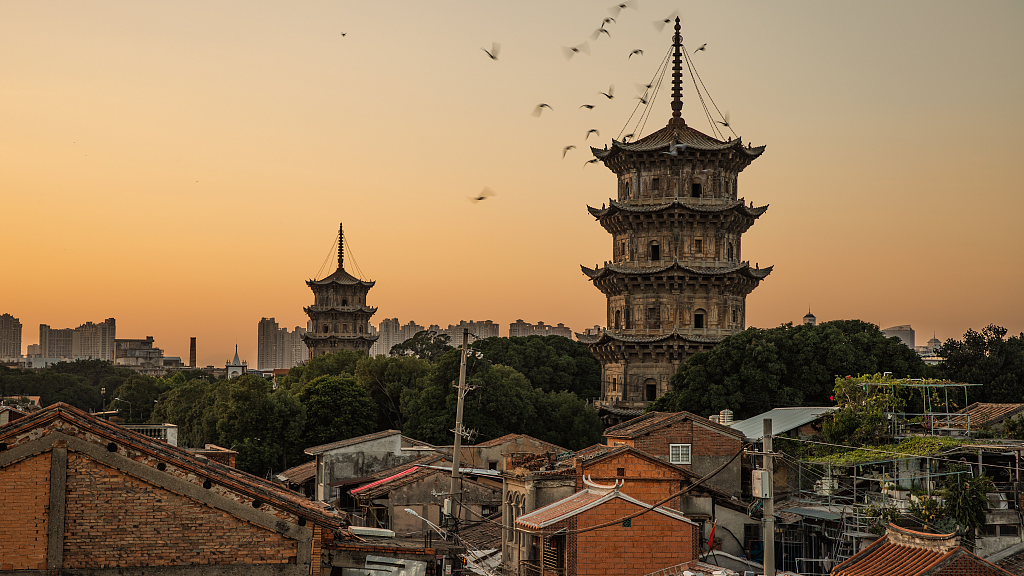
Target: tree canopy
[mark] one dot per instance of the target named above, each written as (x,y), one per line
(987,358)
(426,345)
(760,369)
(551,363)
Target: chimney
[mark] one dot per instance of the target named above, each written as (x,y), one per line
(192,354)
(725,417)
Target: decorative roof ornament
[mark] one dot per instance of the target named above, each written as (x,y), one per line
(677,76)
(341,247)
(587,479)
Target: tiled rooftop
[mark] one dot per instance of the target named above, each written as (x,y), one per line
(903,552)
(314,450)
(654,420)
(984,414)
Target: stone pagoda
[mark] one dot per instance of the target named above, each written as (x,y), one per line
(677,282)
(339,318)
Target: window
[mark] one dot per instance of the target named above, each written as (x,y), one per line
(326,328)
(629,321)
(620,471)
(1008,530)
(651,390)
(679,453)
(613,384)
(990,530)
(655,251)
(653,317)
(698,245)
(655,184)
(698,319)
(344,301)
(624,252)
(729,251)
(696,191)
(618,318)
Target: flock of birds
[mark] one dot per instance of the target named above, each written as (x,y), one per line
(644,90)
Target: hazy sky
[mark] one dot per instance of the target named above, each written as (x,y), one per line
(183,166)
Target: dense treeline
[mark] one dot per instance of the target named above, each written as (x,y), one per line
(347,394)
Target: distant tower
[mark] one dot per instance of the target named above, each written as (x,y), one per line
(339,317)
(809,319)
(677,282)
(235,368)
(192,353)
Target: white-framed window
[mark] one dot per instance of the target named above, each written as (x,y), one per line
(679,453)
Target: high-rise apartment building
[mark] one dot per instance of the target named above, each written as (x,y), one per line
(10,336)
(478,330)
(55,342)
(279,348)
(520,329)
(89,341)
(94,341)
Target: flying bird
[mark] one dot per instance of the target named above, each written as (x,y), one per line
(540,108)
(637,51)
(588,106)
(343,34)
(610,93)
(493,52)
(566,149)
(642,100)
(592,131)
(703,47)
(608,20)
(570,51)
(725,120)
(659,25)
(590,162)
(620,7)
(597,33)
(484,195)
(643,87)
(675,149)
(627,136)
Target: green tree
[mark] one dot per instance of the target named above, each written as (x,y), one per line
(138,395)
(565,420)
(256,422)
(337,408)
(987,358)
(551,363)
(760,369)
(426,345)
(385,378)
(333,364)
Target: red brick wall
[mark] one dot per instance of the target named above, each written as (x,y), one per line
(645,480)
(704,442)
(24,500)
(115,520)
(654,541)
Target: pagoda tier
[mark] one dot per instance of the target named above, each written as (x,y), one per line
(339,318)
(676,283)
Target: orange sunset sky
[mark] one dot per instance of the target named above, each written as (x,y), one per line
(183,166)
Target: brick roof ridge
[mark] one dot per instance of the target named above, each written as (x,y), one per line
(905,552)
(496,441)
(646,423)
(418,461)
(313,450)
(232,478)
(585,500)
(296,470)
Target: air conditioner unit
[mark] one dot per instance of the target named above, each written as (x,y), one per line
(760,484)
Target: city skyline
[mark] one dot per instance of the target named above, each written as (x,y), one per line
(220,146)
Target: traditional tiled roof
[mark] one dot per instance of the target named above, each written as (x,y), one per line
(71,421)
(508,438)
(742,268)
(385,485)
(314,450)
(364,308)
(676,133)
(340,276)
(482,534)
(581,502)
(738,205)
(986,414)
(298,474)
(655,420)
(610,335)
(903,552)
(362,336)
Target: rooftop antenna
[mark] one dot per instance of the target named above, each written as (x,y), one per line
(677,76)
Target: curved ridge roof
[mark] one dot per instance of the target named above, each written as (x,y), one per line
(616,206)
(607,336)
(340,276)
(742,267)
(677,133)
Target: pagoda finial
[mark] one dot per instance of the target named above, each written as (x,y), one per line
(677,74)
(341,247)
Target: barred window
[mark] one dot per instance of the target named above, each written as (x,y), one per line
(679,453)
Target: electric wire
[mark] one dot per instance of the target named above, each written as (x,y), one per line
(351,254)
(654,95)
(689,66)
(640,103)
(693,67)
(329,252)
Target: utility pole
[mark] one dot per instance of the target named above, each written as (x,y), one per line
(457,449)
(769,503)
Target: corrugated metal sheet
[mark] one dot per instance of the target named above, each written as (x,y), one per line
(783,420)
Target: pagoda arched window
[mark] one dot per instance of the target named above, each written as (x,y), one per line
(700,318)
(344,301)
(326,328)
(618,319)
(696,190)
(654,251)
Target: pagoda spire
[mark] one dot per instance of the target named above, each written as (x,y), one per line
(677,75)
(341,247)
